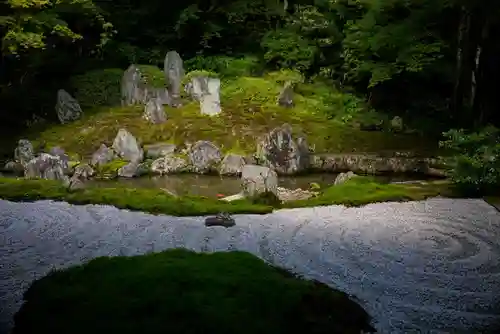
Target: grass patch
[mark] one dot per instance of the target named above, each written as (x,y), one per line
(147,200)
(362,190)
(249,111)
(355,192)
(179,292)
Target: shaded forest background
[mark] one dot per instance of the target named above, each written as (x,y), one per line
(434,62)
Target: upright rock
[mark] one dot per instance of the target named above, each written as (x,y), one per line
(279,151)
(258,179)
(45,166)
(154,112)
(135,90)
(232,164)
(59,152)
(204,156)
(207,91)
(127,147)
(67,108)
(102,156)
(285,99)
(174,73)
(24,152)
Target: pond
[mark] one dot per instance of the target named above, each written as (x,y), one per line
(214,186)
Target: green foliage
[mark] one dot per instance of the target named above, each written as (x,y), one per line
(227,67)
(98,87)
(286,75)
(152,75)
(111,168)
(475,165)
(220,291)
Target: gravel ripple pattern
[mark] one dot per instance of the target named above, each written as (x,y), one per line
(418,267)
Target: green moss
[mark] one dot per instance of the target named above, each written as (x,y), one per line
(111,168)
(152,76)
(147,200)
(185,291)
(285,75)
(98,87)
(365,190)
(249,111)
(267,198)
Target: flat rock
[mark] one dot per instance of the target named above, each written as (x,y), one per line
(224,220)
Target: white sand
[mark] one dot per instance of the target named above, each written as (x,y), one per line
(415,267)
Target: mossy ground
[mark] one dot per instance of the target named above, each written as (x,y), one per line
(179,292)
(355,192)
(249,111)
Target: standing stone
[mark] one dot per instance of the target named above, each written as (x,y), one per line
(207,92)
(59,152)
(174,73)
(135,91)
(67,107)
(154,112)
(279,151)
(127,147)
(24,152)
(285,99)
(45,166)
(102,156)
(204,156)
(258,179)
(232,164)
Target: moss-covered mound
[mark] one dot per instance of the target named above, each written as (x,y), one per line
(249,111)
(180,292)
(355,192)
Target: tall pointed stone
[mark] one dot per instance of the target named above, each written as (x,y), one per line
(174,73)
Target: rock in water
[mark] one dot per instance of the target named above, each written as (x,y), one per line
(169,164)
(174,73)
(24,152)
(222,219)
(102,156)
(204,156)
(258,179)
(207,91)
(45,166)
(344,177)
(279,151)
(135,91)
(285,99)
(127,147)
(67,107)
(154,112)
(232,164)
(129,170)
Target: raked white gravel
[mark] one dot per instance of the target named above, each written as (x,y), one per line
(416,267)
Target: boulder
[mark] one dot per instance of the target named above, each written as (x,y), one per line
(134,89)
(169,164)
(222,219)
(68,109)
(207,91)
(280,151)
(102,156)
(83,171)
(258,179)
(158,150)
(343,177)
(129,170)
(45,166)
(14,167)
(154,112)
(174,73)
(59,152)
(285,99)
(24,152)
(127,147)
(397,124)
(204,156)
(232,165)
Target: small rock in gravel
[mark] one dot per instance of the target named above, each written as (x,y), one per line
(221,219)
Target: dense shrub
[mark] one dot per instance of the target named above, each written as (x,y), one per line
(98,87)
(226,66)
(475,165)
